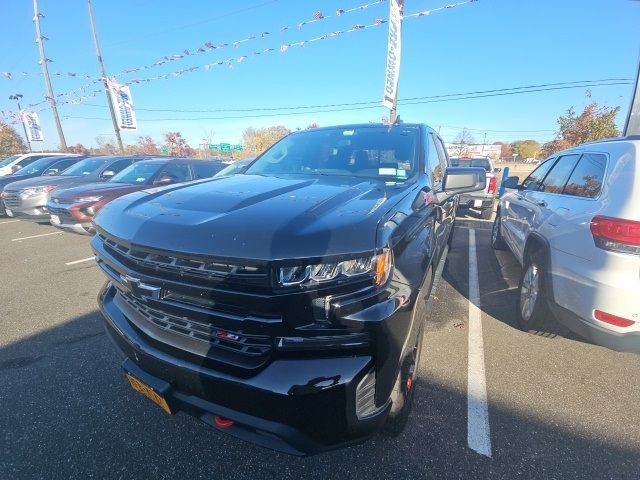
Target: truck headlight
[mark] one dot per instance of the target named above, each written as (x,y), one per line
(377,266)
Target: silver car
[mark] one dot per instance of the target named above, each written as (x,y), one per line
(27,199)
(574,225)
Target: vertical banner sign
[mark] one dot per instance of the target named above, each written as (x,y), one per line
(393,56)
(32,125)
(123,105)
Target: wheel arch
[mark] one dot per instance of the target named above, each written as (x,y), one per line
(537,244)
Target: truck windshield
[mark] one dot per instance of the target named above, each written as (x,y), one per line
(471,162)
(372,152)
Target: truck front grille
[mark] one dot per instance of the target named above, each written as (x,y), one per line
(234,341)
(177,267)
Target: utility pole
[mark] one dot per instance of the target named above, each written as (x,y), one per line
(17,98)
(632,125)
(116,129)
(45,73)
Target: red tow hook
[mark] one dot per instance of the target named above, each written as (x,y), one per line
(222,422)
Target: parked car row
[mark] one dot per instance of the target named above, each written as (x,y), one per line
(68,191)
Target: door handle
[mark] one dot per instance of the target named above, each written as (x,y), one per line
(519,197)
(541,203)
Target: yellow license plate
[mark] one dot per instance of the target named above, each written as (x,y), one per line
(148,392)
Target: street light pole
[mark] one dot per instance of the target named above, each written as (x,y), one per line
(17,98)
(103,73)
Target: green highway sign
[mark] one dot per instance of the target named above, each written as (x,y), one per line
(164,150)
(214,146)
(225,147)
(238,148)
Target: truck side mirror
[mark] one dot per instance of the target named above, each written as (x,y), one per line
(459,180)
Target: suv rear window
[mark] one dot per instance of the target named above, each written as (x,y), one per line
(471,162)
(586,180)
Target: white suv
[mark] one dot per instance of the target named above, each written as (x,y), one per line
(574,225)
(14,163)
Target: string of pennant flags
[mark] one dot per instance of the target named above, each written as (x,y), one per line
(207,46)
(82,94)
(231,61)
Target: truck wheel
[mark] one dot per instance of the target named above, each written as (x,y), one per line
(403,390)
(535,316)
(486,213)
(497,242)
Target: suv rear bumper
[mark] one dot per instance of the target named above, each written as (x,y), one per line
(288,406)
(618,341)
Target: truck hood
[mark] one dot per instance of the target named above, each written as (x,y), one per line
(108,189)
(255,217)
(59,181)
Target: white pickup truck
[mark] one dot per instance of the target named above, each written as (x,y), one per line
(482,200)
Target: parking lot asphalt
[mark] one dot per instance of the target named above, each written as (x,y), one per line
(492,401)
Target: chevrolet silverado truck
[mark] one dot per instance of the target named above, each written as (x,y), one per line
(482,200)
(285,305)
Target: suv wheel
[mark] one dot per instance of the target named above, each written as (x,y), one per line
(535,316)
(485,214)
(403,390)
(497,242)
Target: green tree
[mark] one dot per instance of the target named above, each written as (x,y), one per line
(78,148)
(257,140)
(594,123)
(526,148)
(177,144)
(10,142)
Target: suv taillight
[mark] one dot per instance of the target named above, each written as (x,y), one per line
(493,182)
(616,234)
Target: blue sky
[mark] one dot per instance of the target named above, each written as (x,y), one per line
(489,44)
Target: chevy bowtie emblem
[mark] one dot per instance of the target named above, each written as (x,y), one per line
(136,287)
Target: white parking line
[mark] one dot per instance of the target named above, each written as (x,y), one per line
(80,261)
(478,434)
(36,236)
(9,221)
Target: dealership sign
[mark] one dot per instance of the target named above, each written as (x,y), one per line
(123,105)
(394,45)
(32,125)
(473,150)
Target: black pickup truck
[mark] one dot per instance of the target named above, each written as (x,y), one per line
(285,305)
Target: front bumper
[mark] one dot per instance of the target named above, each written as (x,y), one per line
(30,208)
(299,406)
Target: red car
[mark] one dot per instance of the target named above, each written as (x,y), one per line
(74,208)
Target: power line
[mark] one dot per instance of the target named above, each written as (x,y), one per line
(435,99)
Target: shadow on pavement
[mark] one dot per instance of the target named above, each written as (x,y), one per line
(68,413)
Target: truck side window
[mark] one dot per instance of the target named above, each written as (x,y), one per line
(434,162)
